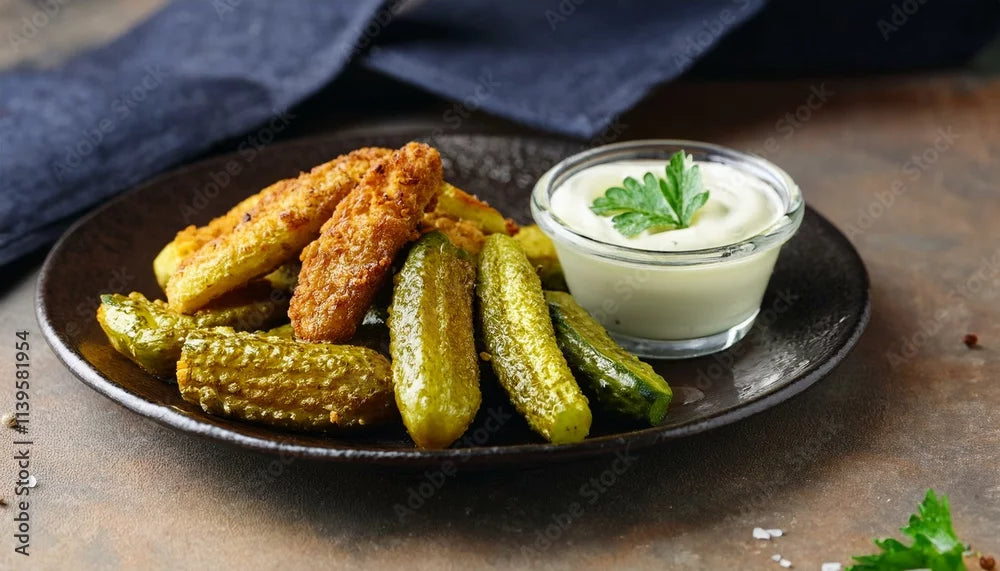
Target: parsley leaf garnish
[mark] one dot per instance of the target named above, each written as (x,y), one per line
(935,545)
(655,203)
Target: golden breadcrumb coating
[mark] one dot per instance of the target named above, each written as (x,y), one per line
(462,233)
(191,238)
(288,216)
(342,270)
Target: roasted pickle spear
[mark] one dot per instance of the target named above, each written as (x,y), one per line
(192,238)
(188,240)
(542,254)
(455,202)
(464,219)
(151,334)
(271,233)
(615,378)
(283,383)
(518,334)
(435,366)
(282,332)
(171,256)
(462,233)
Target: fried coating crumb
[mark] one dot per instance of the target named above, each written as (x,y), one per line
(283,220)
(462,233)
(343,269)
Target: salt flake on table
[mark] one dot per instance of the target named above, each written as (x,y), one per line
(785,563)
(761,533)
(775,532)
(776,557)
(830,567)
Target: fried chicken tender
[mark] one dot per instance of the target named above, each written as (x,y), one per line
(272,232)
(343,269)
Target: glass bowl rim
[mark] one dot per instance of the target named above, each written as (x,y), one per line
(776,234)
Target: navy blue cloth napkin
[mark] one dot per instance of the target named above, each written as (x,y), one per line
(199,72)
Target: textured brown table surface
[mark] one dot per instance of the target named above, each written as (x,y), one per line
(908,167)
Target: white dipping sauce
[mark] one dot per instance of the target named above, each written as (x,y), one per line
(739,206)
(656,301)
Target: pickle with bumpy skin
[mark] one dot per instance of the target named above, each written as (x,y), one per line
(283,383)
(151,334)
(542,255)
(615,378)
(522,344)
(434,361)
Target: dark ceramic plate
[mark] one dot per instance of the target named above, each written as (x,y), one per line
(815,309)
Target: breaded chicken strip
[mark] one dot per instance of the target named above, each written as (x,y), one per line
(342,270)
(270,233)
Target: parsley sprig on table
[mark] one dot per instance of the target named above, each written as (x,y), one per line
(655,203)
(935,545)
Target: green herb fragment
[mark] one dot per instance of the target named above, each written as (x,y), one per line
(655,203)
(935,545)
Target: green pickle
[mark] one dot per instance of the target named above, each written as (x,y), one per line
(434,361)
(283,383)
(542,255)
(282,332)
(615,378)
(519,336)
(151,334)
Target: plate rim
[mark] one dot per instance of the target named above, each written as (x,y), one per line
(529,453)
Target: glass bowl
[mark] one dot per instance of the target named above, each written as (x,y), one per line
(675,304)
